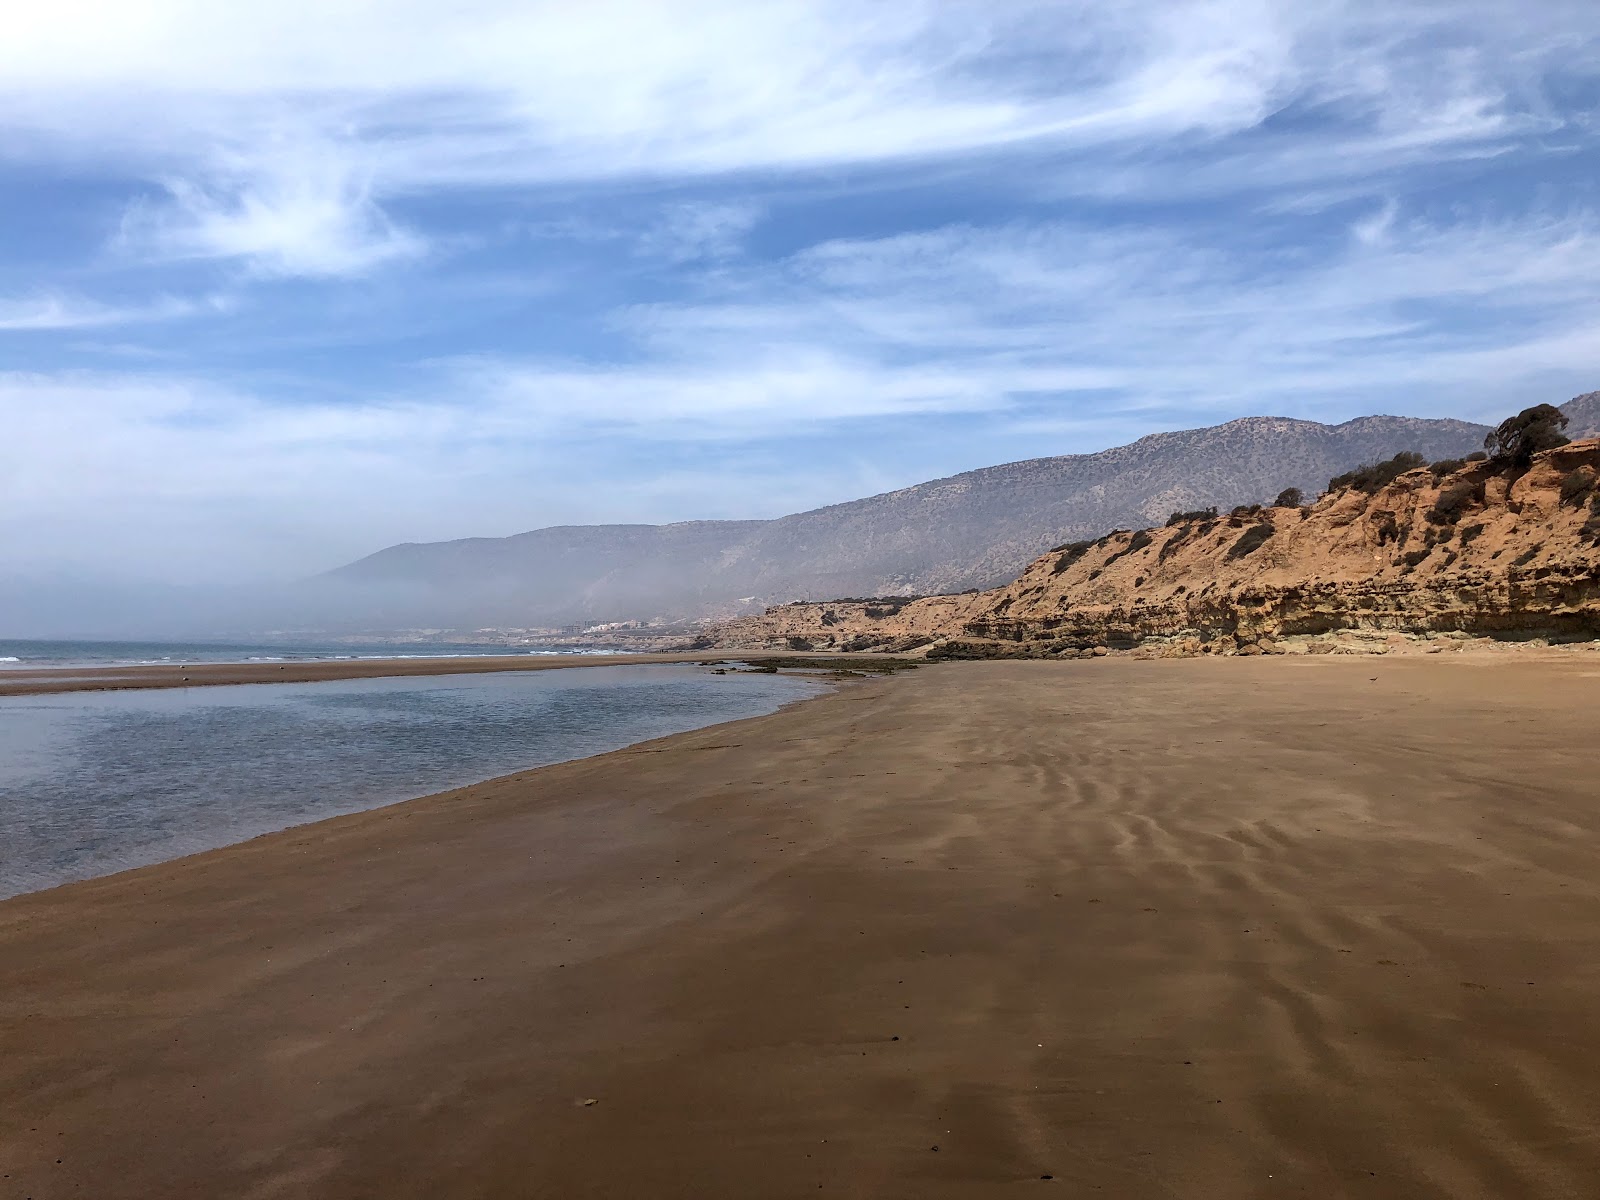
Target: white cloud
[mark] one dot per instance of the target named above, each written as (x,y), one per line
(285,208)
(282,131)
(693,232)
(730,394)
(50,311)
(1004,321)
(1373,229)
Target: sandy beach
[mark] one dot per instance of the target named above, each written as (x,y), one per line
(1219,928)
(43,681)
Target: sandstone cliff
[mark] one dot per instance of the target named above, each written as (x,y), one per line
(1474,551)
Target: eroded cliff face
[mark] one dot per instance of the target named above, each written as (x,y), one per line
(1475,551)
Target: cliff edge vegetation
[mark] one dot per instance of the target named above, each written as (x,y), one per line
(1504,545)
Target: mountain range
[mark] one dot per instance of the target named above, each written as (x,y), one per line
(972,530)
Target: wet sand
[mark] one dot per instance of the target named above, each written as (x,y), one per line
(1211,928)
(41,681)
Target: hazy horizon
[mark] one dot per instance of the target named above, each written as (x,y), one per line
(283,286)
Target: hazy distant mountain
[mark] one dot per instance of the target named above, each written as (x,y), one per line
(976,529)
(1583,415)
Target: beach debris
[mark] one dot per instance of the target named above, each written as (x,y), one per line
(586,1102)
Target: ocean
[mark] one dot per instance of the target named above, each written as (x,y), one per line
(19,655)
(96,782)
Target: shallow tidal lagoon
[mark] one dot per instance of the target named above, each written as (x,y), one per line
(96,782)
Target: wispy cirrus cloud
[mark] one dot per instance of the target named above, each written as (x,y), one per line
(281,133)
(286,209)
(1004,321)
(53,311)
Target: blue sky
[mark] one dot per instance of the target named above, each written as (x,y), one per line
(282,284)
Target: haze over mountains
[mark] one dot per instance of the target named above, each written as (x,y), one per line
(972,530)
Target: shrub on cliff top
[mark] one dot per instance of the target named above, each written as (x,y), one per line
(1251,540)
(1575,484)
(1198,514)
(1291,497)
(1070,553)
(1370,477)
(1138,541)
(1453,502)
(1517,439)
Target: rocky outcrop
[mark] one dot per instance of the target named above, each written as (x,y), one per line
(1469,551)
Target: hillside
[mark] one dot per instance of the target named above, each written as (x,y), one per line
(972,530)
(1474,550)
(1583,415)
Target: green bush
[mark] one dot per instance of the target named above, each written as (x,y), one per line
(1517,439)
(1198,514)
(1453,502)
(1370,477)
(1138,541)
(1251,540)
(1290,497)
(1070,553)
(1576,484)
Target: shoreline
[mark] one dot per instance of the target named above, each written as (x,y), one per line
(1216,928)
(823,685)
(38,681)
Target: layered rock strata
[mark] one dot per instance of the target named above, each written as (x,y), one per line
(1475,551)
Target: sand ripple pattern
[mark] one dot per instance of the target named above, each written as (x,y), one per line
(1218,928)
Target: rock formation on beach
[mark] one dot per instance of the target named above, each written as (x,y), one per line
(1474,548)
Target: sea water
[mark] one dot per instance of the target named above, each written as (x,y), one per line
(96,782)
(22,655)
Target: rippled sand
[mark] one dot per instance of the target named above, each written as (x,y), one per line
(1215,928)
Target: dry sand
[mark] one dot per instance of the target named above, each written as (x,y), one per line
(42,680)
(1216,928)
